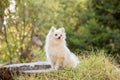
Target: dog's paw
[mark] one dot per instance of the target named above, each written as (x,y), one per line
(56,67)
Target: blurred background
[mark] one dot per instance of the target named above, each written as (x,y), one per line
(89,24)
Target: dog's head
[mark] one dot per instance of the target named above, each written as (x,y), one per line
(58,34)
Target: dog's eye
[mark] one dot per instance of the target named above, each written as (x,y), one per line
(55,34)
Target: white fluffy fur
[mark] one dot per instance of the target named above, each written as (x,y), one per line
(56,50)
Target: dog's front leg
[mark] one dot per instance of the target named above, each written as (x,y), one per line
(59,63)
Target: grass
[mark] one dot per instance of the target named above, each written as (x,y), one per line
(93,66)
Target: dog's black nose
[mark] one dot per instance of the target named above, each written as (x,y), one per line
(59,37)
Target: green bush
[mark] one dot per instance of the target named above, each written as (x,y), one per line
(100,28)
(107,12)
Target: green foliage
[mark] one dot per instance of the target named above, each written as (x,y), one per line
(106,15)
(107,12)
(100,28)
(3,5)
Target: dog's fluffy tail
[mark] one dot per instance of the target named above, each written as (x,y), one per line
(75,60)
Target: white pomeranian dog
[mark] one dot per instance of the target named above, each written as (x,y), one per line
(56,50)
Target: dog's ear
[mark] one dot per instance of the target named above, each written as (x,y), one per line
(52,29)
(62,29)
